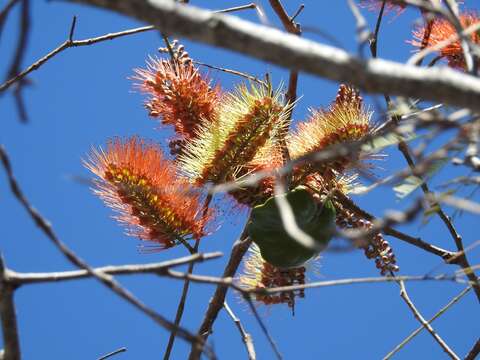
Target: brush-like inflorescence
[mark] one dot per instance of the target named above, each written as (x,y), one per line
(179,95)
(259,274)
(268,159)
(441,30)
(345,120)
(246,121)
(141,185)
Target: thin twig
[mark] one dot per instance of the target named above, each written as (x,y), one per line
(291,95)
(16,278)
(186,284)
(472,354)
(113,353)
(105,279)
(274,346)
(5,11)
(349,204)
(246,337)
(376,33)
(68,44)
(19,279)
(229,282)
(426,325)
(437,315)
(230,71)
(237,8)
(24,25)
(11,341)
(239,249)
(181,306)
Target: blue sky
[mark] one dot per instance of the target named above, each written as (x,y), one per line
(83,97)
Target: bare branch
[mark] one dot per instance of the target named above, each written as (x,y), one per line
(230,71)
(68,44)
(11,341)
(237,8)
(426,325)
(291,96)
(24,32)
(113,353)
(181,304)
(186,285)
(472,354)
(376,76)
(349,204)
(437,315)
(18,279)
(239,249)
(263,327)
(246,337)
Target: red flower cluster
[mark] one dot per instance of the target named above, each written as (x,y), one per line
(442,30)
(180,96)
(141,185)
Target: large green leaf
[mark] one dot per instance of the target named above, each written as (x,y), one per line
(276,246)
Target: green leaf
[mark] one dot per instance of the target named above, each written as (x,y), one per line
(412,183)
(381,142)
(277,247)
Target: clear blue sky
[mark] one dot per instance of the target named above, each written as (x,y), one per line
(83,97)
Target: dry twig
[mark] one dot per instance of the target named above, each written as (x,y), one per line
(246,337)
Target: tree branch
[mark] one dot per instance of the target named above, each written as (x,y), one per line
(472,354)
(68,44)
(426,325)
(246,337)
(437,315)
(11,341)
(216,303)
(19,279)
(375,75)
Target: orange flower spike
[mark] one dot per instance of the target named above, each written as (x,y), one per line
(259,274)
(179,94)
(442,30)
(268,158)
(246,121)
(141,185)
(345,120)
